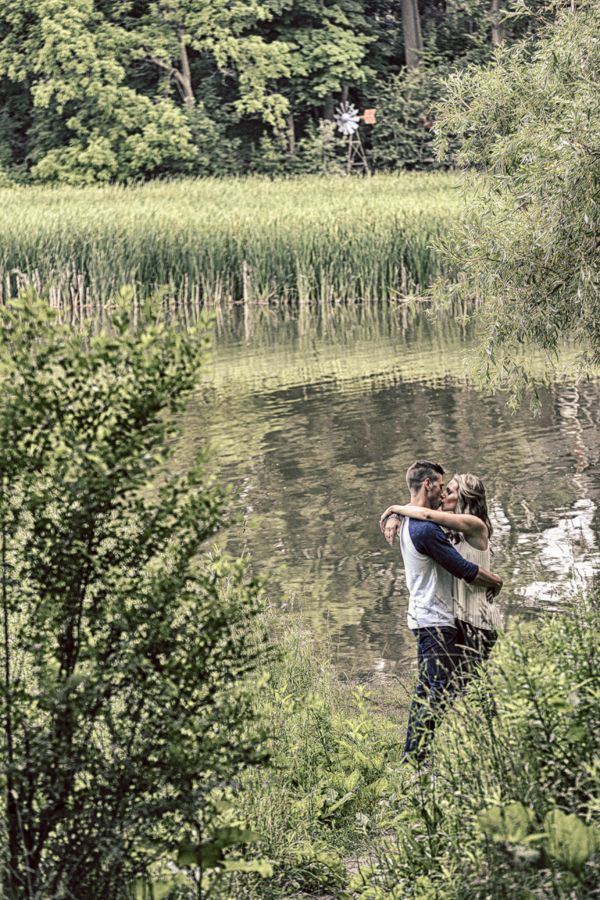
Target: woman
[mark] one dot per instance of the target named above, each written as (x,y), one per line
(464,513)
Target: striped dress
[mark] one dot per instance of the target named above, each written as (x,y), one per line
(472,605)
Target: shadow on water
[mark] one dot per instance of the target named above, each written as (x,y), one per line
(314,418)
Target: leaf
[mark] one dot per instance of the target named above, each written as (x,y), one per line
(341,802)
(206,855)
(379,787)
(352,780)
(158,890)
(510,823)
(570,841)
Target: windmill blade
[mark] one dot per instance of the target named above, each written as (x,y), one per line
(347,118)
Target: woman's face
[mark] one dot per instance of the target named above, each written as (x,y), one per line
(450,496)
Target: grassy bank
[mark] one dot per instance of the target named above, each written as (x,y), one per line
(512,809)
(211,240)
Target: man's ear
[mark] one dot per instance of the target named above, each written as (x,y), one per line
(427,484)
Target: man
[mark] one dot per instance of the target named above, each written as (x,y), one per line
(431,563)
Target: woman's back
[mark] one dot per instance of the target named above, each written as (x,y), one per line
(472,605)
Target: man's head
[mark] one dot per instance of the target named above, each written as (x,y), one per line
(425,480)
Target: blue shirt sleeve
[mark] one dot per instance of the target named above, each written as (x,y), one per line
(431,540)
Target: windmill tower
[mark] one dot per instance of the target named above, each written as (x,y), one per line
(347,119)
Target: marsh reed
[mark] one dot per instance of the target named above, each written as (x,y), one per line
(208,241)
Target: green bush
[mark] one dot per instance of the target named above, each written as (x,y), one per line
(511,806)
(527,130)
(320,151)
(125,657)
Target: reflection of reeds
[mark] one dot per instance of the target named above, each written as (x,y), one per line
(213,241)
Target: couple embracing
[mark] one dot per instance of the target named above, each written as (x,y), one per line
(445,536)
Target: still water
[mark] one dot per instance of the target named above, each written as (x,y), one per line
(314,416)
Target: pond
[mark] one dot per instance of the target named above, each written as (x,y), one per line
(314,416)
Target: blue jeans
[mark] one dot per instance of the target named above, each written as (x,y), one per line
(438,657)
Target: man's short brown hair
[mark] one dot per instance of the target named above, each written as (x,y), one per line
(420,471)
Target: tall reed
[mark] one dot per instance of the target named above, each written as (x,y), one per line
(206,241)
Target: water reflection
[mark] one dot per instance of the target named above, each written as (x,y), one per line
(315,418)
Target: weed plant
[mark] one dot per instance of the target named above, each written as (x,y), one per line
(330,790)
(209,240)
(510,807)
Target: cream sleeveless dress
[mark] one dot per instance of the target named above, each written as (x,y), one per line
(472,605)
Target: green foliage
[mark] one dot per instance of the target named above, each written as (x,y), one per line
(403,136)
(511,823)
(511,809)
(329,788)
(270,157)
(95,92)
(166,35)
(96,127)
(529,125)
(328,44)
(570,841)
(322,151)
(125,652)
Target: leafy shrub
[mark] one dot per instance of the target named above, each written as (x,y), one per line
(528,126)
(124,652)
(321,150)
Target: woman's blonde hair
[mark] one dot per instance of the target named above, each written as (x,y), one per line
(472,498)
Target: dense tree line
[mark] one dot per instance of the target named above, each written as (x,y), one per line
(103,90)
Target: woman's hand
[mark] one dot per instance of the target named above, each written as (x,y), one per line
(390,511)
(389,523)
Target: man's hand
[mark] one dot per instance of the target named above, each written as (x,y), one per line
(493,583)
(390,526)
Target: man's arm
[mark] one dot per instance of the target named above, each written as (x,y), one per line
(448,557)
(431,540)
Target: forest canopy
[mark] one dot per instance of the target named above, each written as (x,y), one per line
(99,90)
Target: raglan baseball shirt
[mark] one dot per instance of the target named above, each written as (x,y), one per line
(431,563)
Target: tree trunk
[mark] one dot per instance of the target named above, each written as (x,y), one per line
(12,879)
(328,108)
(185,78)
(291,130)
(413,39)
(497,27)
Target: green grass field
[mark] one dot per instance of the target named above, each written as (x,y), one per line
(209,240)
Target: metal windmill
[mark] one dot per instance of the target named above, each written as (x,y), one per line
(347,119)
